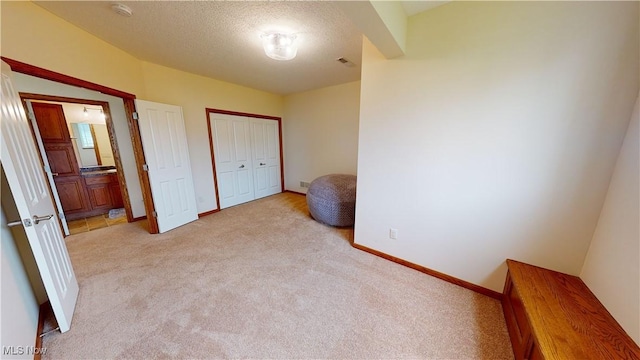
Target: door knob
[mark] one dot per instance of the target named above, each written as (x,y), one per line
(241,166)
(261,164)
(14,223)
(26,223)
(37,219)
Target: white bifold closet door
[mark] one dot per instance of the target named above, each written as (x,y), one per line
(232,153)
(247,158)
(265,145)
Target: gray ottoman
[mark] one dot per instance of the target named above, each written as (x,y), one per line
(332,199)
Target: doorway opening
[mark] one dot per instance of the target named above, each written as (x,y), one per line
(79,149)
(130,116)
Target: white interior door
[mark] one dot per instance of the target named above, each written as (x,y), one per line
(28,185)
(164,142)
(47,169)
(266,157)
(232,151)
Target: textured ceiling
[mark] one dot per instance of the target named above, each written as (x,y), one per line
(221,39)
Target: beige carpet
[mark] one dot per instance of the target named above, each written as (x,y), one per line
(263,280)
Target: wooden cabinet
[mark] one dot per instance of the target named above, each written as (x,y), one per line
(71,190)
(62,159)
(90,195)
(551,315)
(99,196)
(116,194)
(104,191)
(519,329)
(51,122)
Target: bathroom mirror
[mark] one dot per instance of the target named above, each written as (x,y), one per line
(92,145)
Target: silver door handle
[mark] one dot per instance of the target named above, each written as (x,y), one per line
(261,164)
(27,223)
(37,219)
(241,166)
(54,174)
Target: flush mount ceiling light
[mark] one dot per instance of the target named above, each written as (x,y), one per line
(279,46)
(121,9)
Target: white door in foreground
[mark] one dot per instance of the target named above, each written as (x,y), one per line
(164,142)
(28,185)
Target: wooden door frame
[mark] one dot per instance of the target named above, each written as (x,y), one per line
(130,109)
(112,138)
(211,146)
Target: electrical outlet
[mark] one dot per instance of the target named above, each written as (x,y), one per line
(393,234)
(304,184)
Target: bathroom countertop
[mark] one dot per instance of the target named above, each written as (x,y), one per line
(98,172)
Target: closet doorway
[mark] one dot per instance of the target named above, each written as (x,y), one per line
(246,152)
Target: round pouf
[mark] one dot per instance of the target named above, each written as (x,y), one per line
(332,199)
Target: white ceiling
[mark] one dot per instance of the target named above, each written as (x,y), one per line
(221,39)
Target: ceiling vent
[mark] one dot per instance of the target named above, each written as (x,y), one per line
(122,10)
(346,62)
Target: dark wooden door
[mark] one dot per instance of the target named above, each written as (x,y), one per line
(62,159)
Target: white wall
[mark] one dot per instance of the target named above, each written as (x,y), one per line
(20,310)
(612,267)
(496,135)
(35,36)
(30,84)
(320,133)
